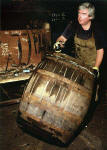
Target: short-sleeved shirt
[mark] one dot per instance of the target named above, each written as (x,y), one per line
(95,29)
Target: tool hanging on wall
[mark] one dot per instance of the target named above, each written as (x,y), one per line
(20,50)
(35,41)
(40,42)
(29,54)
(9,57)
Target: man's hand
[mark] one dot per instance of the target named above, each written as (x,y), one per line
(96,72)
(58,45)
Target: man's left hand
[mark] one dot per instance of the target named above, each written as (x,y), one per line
(96,72)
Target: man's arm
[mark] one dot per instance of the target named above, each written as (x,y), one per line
(62,40)
(64,36)
(99,57)
(59,43)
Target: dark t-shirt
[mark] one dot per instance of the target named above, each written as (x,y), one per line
(95,29)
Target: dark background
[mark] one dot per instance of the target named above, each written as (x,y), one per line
(15,14)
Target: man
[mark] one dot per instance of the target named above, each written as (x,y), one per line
(88,37)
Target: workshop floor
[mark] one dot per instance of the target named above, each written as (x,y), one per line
(92,137)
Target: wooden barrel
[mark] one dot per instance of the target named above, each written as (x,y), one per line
(22,47)
(58,96)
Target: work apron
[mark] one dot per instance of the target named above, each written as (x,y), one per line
(85,50)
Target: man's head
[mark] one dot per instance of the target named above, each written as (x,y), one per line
(86,12)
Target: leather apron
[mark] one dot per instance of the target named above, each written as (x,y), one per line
(85,50)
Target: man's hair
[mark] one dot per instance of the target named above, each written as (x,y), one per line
(90,7)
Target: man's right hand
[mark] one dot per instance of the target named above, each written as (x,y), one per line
(58,45)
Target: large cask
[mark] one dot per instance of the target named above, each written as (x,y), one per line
(58,96)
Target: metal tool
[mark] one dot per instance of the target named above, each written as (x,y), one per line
(20,50)
(7,62)
(35,40)
(29,54)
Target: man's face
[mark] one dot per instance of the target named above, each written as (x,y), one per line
(83,17)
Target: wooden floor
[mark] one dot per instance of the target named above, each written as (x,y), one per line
(92,137)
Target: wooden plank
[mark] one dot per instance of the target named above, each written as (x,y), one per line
(18,78)
(10,102)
